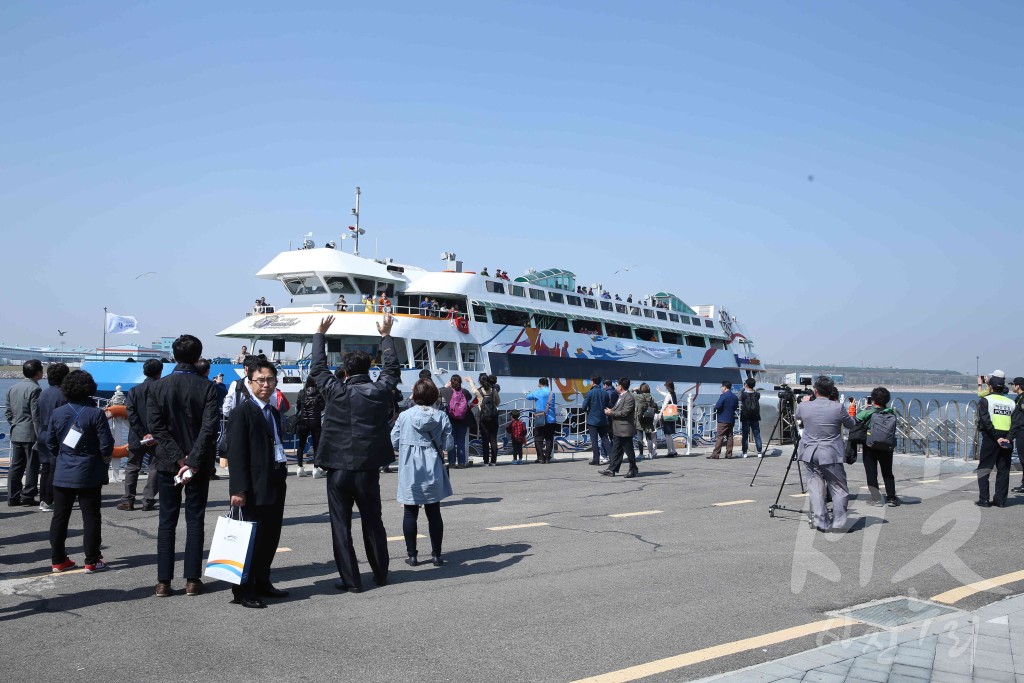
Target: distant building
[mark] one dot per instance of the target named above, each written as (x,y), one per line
(164,344)
(11,354)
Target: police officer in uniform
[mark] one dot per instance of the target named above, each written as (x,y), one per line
(1016,435)
(994,413)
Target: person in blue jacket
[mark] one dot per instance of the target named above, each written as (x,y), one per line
(594,404)
(725,410)
(80,436)
(543,420)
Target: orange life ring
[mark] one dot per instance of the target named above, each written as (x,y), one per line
(112,412)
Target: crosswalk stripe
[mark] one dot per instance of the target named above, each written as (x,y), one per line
(402,538)
(636,514)
(732,502)
(516,526)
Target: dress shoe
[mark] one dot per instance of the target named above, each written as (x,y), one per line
(711,457)
(999,504)
(630,474)
(436,560)
(13,502)
(340,585)
(983,503)
(1018,489)
(251,603)
(270,591)
(594,463)
(381,581)
(194,587)
(893,501)
(412,561)
(149,506)
(163,589)
(126,506)
(29,502)
(607,473)
(670,455)
(821,529)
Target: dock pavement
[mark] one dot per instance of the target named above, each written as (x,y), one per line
(555,573)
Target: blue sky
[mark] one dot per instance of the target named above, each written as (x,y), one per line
(197,141)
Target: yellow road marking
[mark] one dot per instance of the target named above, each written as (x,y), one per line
(284,550)
(636,514)
(958,594)
(516,526)
(678,661)
(402,538)
(732,502)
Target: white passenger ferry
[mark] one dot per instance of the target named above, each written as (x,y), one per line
(454,321)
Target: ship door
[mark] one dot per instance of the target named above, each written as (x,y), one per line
(472,361)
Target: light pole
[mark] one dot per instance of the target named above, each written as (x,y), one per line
(977,365)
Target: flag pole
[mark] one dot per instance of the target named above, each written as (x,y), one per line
(104,334)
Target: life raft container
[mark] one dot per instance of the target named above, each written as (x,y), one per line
(117,418)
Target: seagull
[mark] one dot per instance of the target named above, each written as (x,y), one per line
(151,272)
(62,333)
(626,269)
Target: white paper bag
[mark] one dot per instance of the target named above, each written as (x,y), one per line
(231,550)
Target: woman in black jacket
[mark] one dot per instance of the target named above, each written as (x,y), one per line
(80,436)
(309,408)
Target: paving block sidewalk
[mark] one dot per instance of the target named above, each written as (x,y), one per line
(986,645)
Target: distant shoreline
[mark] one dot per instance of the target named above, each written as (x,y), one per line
(936,389)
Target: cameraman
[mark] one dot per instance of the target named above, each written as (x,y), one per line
(822,450)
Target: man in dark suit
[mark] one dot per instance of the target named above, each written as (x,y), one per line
(356,443)
(623,428)
(135,403)
(183,417)
(258,479)
(50,399)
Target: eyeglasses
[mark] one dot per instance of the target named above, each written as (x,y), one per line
(264,380)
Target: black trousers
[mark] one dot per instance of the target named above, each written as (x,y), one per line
(873,460)
(131,478)
(622,444)
(434,523)
(1020,454)
(993,456)
(63,502)
(24,463)
(489,440)
(599,441)
(46,469)
(268,520)
(544,441)
(302,432)
(195,493)
(345,487)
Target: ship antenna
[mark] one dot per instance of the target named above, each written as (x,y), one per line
(355,230)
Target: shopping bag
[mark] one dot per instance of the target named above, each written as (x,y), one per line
(670,413)
(231,549)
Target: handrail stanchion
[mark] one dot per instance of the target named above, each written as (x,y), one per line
(689,420)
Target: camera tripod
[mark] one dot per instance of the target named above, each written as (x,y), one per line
(786,424)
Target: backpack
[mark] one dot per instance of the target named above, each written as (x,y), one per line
(458,406)
(750,406)
(881,435)
(488,411)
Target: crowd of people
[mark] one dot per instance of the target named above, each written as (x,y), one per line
(62,446)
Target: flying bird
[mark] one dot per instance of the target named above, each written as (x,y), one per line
(62,333)
(626,269)
(151,272)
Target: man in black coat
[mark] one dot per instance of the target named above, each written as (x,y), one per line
(258,479)
(50,399)
(356,443)
(136,405)
(183,417)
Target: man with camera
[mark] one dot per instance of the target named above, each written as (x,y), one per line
(822,451)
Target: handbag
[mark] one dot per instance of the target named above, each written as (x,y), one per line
(670,413)
(230,556)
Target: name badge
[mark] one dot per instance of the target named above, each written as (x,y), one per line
(73,436)
(279,455)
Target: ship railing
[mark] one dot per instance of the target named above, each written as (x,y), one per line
(359,307)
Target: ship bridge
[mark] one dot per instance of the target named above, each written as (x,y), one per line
(324,274)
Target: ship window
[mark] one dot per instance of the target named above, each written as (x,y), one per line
(694,340)
(673,317)
(606,305)
(633,310)
(479,313)
(516,290)
(620,308)
(718,344)
(662,315)
(365,286)
(304,284)
(672,338)
(555,298)
(590,303)
(537,294)
(573,300)
(647,335)
(648,313)
(514,318)
(339,285)
(420,353)
(709,323)
(550,322)
(495,287)
(619,331)
(586,327)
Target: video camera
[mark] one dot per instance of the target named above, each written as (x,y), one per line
(788,395)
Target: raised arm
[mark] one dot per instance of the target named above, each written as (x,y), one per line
(322,376)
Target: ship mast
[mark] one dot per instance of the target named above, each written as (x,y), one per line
(355,229)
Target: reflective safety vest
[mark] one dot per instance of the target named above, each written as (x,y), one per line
(999,409)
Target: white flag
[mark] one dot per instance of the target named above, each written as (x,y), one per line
(122,324)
